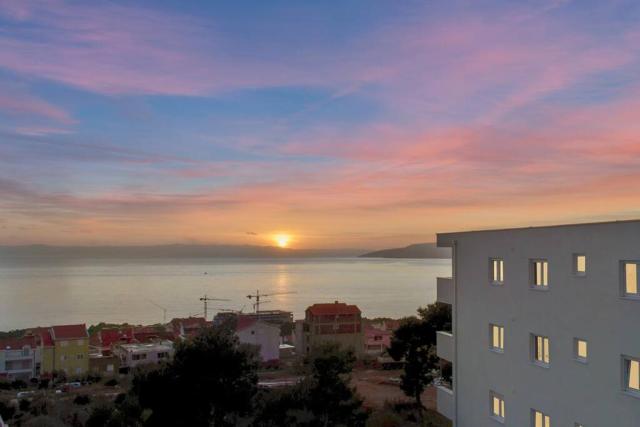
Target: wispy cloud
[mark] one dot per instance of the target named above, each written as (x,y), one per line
(508,114)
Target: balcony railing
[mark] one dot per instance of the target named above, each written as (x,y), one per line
(444,342)
(445,402)
(445,290)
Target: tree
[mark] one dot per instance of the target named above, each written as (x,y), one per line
(322,398)
(211,381)
(332,400)
(415,342)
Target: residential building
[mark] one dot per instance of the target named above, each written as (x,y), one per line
(265,335)
(188,327)
(333,322)
(62,348)
(70,349)
(101,341)
(377,340)
(277,317)
(545,326)
(152,334)
(19,358)
(103,365)
(136,354)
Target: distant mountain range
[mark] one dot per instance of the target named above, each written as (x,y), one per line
(168,251)
(419,250)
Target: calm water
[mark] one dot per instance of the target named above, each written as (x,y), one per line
(92,291)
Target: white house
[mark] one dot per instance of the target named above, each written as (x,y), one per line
(136,354)
(546,326)
(19,358)
(263,334)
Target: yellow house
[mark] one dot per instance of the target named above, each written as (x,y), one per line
(64,348)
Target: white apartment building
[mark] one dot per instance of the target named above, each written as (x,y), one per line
(546,326)
(137,354)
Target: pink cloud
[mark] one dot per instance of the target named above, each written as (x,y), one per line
(16,101)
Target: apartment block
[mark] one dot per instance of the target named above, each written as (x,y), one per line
(333,322)
(137,354)
(546,326)
(19,358)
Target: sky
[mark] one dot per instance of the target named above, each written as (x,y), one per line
(360,124)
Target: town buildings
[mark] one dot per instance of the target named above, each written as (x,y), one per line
(333,322)
(19,358)
(188,327)
(377,339)
(62,348)
(545,326)
(136,354)
(250,330)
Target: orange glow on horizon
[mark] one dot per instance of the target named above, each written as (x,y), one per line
(282,240)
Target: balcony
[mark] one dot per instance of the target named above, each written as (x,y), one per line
(445,402)
(444,343)
(445,290)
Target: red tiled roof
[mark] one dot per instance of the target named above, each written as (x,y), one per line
(45,336)
(334,309)
(110,336)
(190,322)
(150,333)
(66,332)
(17,343)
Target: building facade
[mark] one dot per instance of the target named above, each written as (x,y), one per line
(19,358)
(265,335)
(136,354)
(546,326)
(71,349)
(333,322)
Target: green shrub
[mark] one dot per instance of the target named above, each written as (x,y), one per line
(82,399)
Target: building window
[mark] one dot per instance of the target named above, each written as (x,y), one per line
(496,336)
(540,349)
(79,356)
(497,406)
(630,282)
(109,368)
(25,351)
(579,264)
(496,271)
(580,350)
(163,355)
(64,343)
(539,419)
(631,374)
(540,274)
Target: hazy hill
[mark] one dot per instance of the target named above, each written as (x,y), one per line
(168,251)
(419,250)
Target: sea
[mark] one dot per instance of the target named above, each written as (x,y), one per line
(42,292)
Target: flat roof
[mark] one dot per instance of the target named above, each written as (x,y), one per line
(443,237)
(138,347)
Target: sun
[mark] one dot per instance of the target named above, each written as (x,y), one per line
(282,240)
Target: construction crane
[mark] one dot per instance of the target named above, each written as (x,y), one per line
(164,311)
(258,295)
(205,298)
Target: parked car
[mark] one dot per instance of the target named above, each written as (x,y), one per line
(25,394)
